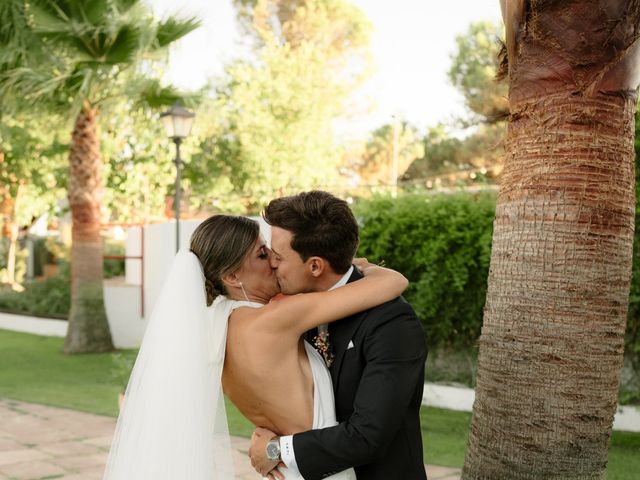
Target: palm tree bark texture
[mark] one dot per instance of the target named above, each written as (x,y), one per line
(88,326)
(552,340)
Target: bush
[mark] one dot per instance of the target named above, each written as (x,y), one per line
(113,268)
(49,298)
(442,244)
(632,337)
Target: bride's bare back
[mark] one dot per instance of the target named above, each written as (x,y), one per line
(267,375)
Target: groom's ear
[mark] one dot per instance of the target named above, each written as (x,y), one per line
(317,266)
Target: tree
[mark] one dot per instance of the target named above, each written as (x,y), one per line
(552,341)
(139,168)
(450,160)
(272,131)
(93,54)
(447,158)
(473,71)
(31,158)
(376,165)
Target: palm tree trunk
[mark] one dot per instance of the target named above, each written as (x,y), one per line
(88,326)
(552,341)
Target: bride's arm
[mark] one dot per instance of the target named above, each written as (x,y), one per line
(299,313)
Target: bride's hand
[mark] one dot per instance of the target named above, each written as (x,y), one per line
(258,454)
(276,474)
(362,264)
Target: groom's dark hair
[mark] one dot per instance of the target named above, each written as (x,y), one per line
(321,225)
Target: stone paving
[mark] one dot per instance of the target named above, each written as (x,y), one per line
(45,443)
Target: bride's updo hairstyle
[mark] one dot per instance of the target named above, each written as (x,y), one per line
(221,243)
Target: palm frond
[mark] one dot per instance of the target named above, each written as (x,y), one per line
(13,21)
(52,21)
(80,49)
(152,93)
(126,5)
(124,47)
(95,11)
(173,29)
(88,37)
(36,85)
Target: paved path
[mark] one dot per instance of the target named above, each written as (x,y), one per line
(45,443)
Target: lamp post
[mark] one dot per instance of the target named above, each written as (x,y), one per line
(177,123)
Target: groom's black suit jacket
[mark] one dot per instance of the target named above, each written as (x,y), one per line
(378,392)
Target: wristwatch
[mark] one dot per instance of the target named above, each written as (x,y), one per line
(273,449)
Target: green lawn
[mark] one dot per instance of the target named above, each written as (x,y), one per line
(34,369)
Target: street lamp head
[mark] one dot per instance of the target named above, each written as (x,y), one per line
(177,122)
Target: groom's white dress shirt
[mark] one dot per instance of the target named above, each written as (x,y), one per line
(286,442)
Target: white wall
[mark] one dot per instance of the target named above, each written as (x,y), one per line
(159,250)
(122,303)
(123,300)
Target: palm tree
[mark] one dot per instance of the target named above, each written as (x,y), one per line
(90,53)
(552,341)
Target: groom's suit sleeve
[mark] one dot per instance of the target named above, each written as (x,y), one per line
(395,351)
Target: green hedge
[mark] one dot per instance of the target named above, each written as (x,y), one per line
(51,297)
(47,298)
(442,244)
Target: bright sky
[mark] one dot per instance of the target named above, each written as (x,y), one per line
(412,43)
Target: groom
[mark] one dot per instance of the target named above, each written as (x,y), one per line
(376,357)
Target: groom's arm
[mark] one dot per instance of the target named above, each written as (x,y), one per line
(395,353)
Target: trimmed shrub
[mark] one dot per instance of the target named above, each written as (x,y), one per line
(48,298)
(442,244)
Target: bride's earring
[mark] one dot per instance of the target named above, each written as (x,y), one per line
(245,293)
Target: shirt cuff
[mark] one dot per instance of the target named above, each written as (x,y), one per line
(288,455)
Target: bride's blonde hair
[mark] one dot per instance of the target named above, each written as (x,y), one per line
(221,243)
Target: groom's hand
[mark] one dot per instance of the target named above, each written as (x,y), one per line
(258,453)
(276,474)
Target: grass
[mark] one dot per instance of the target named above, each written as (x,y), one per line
(444,436)
(34,369)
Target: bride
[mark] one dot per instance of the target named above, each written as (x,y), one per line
(215,328)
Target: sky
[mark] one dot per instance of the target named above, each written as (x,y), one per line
(412,43)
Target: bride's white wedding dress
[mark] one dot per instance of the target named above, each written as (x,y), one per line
(173,423)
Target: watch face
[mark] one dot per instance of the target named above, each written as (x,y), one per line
(273,451)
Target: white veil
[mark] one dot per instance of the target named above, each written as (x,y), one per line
(173,424)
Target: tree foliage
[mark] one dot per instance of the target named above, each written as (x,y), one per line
(87,55)
(79,51)
(139,168)
(33,161)
(272,130)
(446,157)
(474,67)
(375,165)
(477,157)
